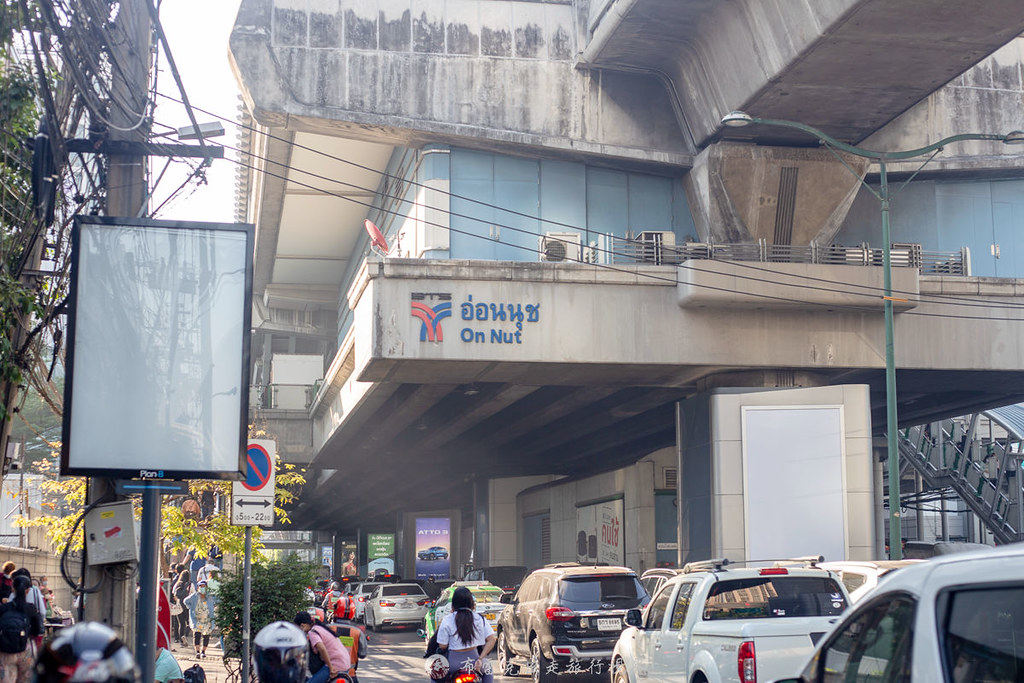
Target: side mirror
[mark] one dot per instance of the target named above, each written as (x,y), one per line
(506,598)
(634,617)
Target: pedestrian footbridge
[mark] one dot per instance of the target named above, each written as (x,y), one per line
(979,457)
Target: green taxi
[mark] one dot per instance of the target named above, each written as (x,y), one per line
(486,596)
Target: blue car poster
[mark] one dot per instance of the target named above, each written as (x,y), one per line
(433,547)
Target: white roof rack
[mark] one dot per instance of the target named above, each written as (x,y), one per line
(705,565)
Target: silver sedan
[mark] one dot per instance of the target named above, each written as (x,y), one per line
(394,604)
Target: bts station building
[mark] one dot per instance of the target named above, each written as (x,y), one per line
(521,296)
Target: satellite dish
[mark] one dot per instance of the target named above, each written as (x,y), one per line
(377,241)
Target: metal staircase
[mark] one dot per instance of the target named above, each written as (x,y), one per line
(983,471)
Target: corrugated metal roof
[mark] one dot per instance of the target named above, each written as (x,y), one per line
(1010,417)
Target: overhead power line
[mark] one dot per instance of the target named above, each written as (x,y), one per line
(607,267)
(852,289)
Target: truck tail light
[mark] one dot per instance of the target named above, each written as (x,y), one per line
(559,613)
(746,662)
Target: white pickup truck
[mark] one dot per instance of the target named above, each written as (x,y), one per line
(712,624)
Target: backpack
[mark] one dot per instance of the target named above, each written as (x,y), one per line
(14,628)
(194,674)
(315,661)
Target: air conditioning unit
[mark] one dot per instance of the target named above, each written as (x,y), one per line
(559,247)
(657,247)
(599,250)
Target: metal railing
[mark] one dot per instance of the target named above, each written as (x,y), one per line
(654,248)
(282,396)
(983,473)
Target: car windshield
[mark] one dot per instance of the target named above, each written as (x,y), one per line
(619,590)
(506,577)
(774,596)
(486,593)
(411,589)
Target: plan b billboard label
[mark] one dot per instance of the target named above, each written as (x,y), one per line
(431,308)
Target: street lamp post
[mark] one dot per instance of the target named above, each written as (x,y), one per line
(738,119)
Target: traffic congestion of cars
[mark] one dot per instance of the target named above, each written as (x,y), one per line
(953,618)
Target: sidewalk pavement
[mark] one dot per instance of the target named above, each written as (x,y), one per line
(213,663)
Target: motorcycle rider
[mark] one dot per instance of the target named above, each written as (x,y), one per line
(88,652)
(465,637)
(336,659)
(338,605)
(279,650)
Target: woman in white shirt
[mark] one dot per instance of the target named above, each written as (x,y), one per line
(462,632)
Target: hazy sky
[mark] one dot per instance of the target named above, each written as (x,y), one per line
(198,31)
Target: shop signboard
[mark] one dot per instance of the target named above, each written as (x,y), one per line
(599,533)
(433,547)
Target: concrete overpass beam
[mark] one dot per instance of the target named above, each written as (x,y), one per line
(784,195)
(477,74)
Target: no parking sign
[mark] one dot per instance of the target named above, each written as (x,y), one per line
(252,498)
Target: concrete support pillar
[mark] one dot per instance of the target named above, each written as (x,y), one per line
(769,473)
(481,523)
(741,192)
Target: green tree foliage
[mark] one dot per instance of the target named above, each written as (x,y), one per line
(19,114)
(278,593)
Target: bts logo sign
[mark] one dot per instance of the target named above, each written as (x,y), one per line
(431,308)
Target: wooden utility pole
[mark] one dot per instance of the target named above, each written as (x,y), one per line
(114,603)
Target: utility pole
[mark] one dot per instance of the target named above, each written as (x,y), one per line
(114,603)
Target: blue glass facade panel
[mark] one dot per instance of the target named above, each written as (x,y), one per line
(472,221)
(1008,220)
(986,216)
(538,196)
(607,201)
(965,219)
(650,203)
(516,189)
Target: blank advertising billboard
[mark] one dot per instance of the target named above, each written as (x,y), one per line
(158,349)
(793,480)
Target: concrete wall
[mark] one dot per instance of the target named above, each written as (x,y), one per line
(636,484)
(42,563)
(637,308)
(984,99)
(505,542)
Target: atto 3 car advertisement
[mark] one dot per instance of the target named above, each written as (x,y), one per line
(433,547)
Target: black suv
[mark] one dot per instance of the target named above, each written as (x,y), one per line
(566,618)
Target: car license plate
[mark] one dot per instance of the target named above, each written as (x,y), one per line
(491,616)
(404,605)
(609,624)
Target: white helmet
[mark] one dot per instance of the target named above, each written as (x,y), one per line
(279,650)
(437,667)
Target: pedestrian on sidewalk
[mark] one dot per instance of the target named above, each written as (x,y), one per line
(179,591)
(6,581)
(20,626)
(200,610)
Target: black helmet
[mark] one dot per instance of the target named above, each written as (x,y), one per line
(86,652)
(279,650)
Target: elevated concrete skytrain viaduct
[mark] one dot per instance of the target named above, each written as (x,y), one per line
(473,131)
